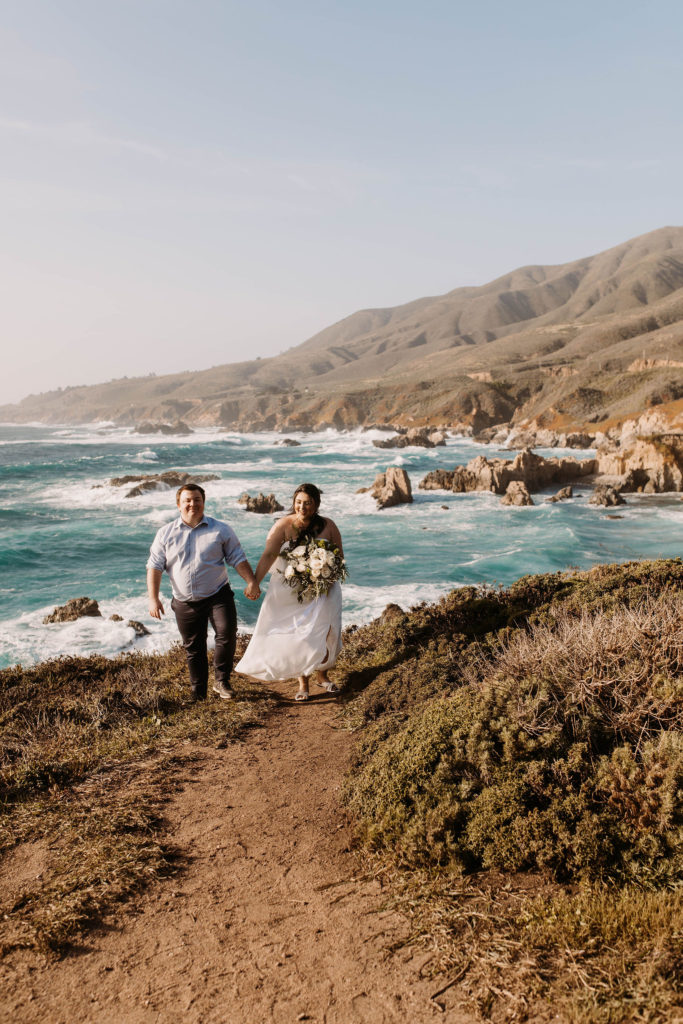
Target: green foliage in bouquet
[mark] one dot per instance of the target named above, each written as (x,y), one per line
(313,567)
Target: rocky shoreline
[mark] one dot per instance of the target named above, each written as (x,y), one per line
(645,466)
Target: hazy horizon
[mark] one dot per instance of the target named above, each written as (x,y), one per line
(190,185)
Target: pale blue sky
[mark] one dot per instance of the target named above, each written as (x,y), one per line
(185,184)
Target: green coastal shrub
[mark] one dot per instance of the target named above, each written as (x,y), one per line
(553,747)
(399,661)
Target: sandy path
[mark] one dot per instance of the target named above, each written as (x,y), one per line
(268,921)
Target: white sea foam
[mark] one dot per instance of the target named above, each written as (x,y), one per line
(146,455)
(160,516)
(84,494)
(26,640)
(362,604)
(474,539)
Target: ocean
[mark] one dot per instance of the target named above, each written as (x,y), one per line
(67,532)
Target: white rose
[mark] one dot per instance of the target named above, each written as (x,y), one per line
(301,567)
(315,571)
(316,560)
(326,571)
(299,551)
(289,572)
(329,557)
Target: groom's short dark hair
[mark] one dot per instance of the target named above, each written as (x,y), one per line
(190,487)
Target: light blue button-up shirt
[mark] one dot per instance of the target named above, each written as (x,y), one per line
(195,556)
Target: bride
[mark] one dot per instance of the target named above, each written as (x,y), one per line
(291,638)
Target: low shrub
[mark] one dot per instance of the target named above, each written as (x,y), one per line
(560,750)
(517,779)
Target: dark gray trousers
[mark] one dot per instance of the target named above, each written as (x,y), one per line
(193,619)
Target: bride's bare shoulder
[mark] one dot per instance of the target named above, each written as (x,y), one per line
(284,528)
(281,526)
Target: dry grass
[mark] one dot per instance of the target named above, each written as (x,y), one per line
(622,668)
(520,948)
(90,748)
(521,787)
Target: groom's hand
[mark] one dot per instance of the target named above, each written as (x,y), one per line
(252,591)
(156,608)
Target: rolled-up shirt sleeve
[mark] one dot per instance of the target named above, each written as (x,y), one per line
(157,553)
(232,548)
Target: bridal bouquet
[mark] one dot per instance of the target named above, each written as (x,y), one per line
(312,568)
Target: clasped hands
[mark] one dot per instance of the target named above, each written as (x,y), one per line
(252,591)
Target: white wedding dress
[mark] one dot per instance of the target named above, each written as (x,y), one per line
(292,639)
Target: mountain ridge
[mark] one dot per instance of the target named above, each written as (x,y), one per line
(516,348)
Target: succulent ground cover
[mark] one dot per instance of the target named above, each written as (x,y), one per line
(518,776)
(90,748)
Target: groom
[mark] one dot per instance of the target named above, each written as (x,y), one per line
(193,550)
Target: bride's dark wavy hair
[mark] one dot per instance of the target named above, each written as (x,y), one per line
(317,523)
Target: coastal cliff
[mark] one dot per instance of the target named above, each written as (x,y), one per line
(503,768)
(588,345)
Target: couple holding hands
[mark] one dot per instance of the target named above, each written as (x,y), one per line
(298,631)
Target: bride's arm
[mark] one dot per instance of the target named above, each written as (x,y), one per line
(274,542)
(335,536)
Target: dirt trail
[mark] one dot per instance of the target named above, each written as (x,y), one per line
(267,923)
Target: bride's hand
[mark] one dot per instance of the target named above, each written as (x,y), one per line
(252,591)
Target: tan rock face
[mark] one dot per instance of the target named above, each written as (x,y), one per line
(651,464)
(651,422)
(262,503)
(179,427)
(516,494)
(392,488)
(606,495)
(562,495)
(414,438)
(169,480)
(482,474)
(76,608)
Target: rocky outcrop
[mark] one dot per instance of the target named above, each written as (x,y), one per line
(289,442)
(264,504)
(562,495)
(140,630)
(170,480)
(76,608)
(497,434)
(392,613)
(392,488)
(415,437)
(516,494)
(438,480)
(542,438)
(606,495)
(649,464)
(532,436)
(482,474)
(654,421)
(401,441)
(179,428)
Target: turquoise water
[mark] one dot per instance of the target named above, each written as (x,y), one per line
(65,532)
